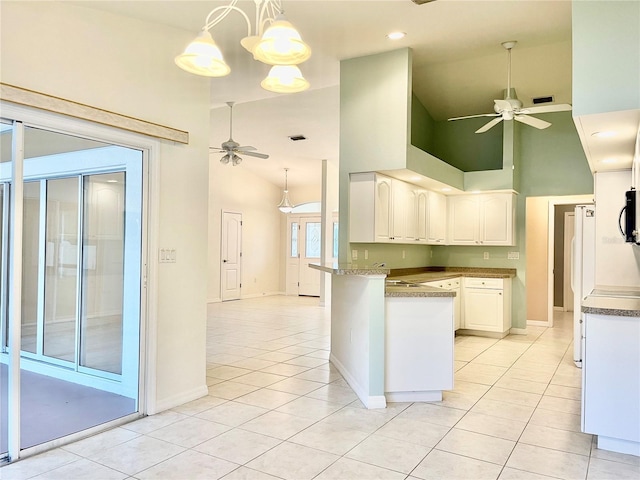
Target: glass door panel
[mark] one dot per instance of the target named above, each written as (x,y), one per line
(103,272)
(61,271)
(30,266)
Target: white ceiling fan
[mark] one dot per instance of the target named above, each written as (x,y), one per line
(510,108)
(231,148)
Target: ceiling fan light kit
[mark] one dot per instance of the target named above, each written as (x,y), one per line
(510,108)
(231,148)
(279,45)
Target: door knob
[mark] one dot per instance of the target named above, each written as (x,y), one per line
(224,261)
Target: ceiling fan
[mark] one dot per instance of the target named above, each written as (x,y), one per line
(231,148)
(510,108)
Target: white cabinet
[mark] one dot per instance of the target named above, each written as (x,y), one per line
(437,218)
(611,381)
(487,305)
(381,209)
(422,215)
(482,219)
(455,285)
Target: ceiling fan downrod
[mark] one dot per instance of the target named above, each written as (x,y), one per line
(509,45)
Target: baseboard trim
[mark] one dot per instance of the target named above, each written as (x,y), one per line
(214,300)
(518,331)
(426,396)
(537,323)
(179,399)
(258,295)
(369,401)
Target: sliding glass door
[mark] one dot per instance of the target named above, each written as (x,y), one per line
(81,280)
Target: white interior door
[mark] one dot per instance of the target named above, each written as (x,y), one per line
(310,247)
(569,232)
(231,256)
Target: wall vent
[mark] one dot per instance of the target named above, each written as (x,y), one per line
(297,138)
(539,100)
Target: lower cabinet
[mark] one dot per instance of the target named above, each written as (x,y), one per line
(455,285)
(611,381)
(487,305)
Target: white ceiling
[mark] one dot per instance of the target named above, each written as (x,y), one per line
(459,65)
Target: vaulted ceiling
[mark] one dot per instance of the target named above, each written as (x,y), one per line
(459,66)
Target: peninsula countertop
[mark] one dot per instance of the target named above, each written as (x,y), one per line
(615,303)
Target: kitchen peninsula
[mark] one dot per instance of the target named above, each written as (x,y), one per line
(392,340)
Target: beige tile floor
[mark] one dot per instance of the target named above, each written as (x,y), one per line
(277,409)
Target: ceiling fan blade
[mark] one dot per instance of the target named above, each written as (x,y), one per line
(246,148)
(560,107)
(474,116)
(532,121)
(254,154)
(489,125)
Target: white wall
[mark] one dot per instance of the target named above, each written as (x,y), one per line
(126,66)
(617,262)
(236,189)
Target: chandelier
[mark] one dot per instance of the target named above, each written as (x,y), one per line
(279,45)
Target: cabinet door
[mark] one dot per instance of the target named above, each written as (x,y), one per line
(437,218)
(383,215)
(408,210)
(483,309)
(422,215)
(463,220)
(496,214)
(400,193)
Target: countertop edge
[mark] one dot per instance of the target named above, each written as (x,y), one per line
(611,305)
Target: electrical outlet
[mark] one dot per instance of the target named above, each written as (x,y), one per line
(486,255)
(513,255)
(354,254)
(366,254)
(403,254)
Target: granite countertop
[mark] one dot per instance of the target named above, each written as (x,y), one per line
(430,274)
(416,291)
(350,269)
(614,303)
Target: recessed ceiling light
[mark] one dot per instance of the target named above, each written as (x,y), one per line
(446,189)
(609,160)
(604,134)
(396,35)
(112,181)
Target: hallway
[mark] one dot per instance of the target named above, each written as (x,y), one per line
(277,409)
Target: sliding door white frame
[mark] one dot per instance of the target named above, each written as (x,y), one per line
(148,284)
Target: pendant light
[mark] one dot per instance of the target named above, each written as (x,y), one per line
(285,205)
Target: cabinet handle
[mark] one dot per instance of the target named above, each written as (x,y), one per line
(500,293)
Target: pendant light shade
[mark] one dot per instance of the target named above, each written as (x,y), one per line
(281,44)
(203,57)
(285,79)
(285,205)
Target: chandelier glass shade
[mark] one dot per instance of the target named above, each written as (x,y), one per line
(285,79)
(279,45)
(203,57)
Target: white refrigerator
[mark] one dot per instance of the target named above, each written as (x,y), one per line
(583,270)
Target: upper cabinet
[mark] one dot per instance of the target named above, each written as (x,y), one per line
(381,209)
(437,219)
(387,210)
(482,219)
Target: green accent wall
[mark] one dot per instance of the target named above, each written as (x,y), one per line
(456,142)
(549,162)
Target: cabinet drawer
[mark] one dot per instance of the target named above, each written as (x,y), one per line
(494,283)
